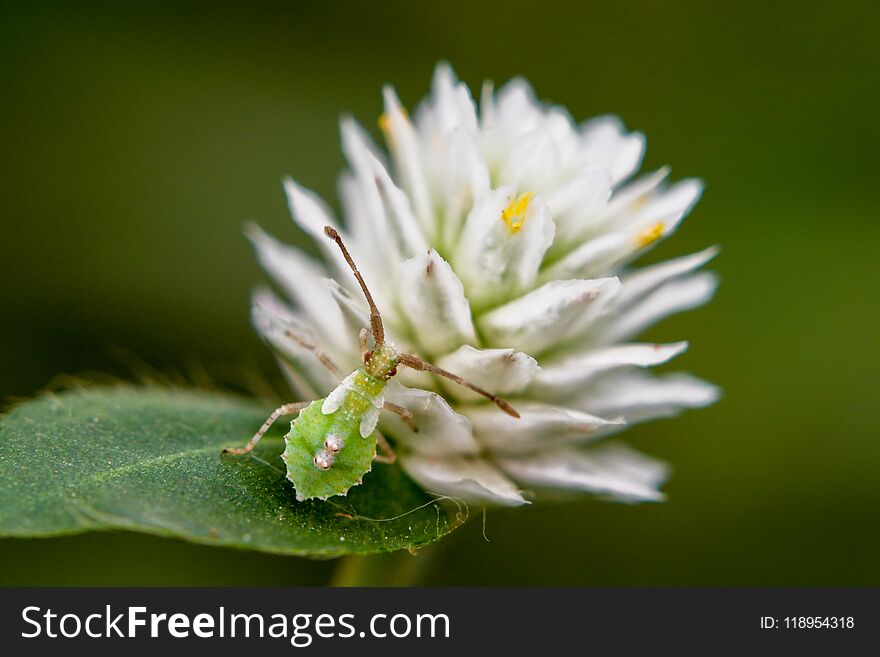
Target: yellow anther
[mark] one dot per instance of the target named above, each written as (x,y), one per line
(385,123)
(650,235)
(514,215)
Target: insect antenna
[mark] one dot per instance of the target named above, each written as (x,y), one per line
(375,317)
(418,364)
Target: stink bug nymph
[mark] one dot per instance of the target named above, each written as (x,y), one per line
(332,442)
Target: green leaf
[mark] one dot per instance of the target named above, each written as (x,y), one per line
(149,460)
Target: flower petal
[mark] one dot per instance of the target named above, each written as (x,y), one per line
(301,278)
(613,470)
(574,202)
(652,218)
(638,283)
(433,299)
(500,371)
(308,209)
(637,395)
(355,314)
(465,179)
(397,222)
(580,195)
(286,333)
(449,107)
(536,159)
(527,143)
(440,429)
(363,205)
(466,479)
(634,194)
(552,313)
(354,209)
(386,209)
(494,261)
(540,426)
(669,206)
(630,234)
(403,142)
(311,214)
(606,141)
(591,258)
(526,249)
(513,109)
(568,375)
(675,296)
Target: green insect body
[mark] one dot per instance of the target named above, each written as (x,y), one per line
(327,452)
(332,442)
(307,437)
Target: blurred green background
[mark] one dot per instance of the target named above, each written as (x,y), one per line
(138,139)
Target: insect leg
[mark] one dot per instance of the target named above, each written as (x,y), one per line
(323,358)
(405,414)
(286,409)
(418,364)
(387,455)
(320,355)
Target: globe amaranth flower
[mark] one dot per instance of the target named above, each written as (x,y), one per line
(497,243)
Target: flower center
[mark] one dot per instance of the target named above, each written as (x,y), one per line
(514,215)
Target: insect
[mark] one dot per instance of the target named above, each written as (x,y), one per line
(333,441)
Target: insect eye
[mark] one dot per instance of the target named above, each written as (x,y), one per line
(368,356)
(392,372)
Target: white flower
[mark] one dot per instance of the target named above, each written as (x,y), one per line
(497,244)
